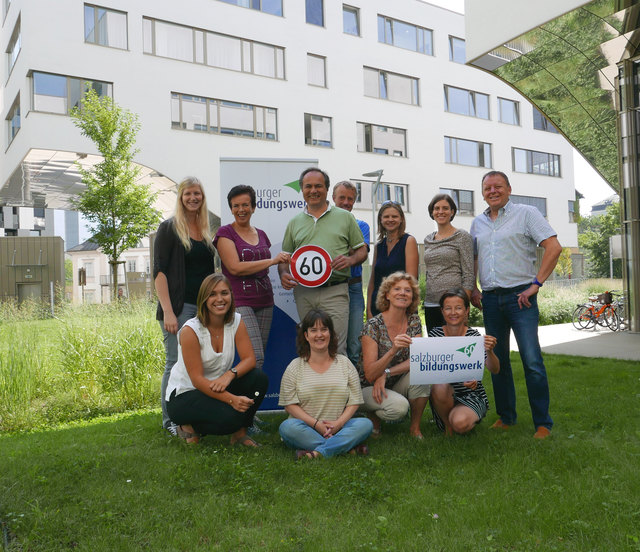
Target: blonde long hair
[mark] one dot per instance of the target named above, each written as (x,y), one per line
(202,217)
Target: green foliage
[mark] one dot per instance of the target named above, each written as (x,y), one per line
(121,483)
(593,237)
(119,210)
(564,266)
(90,361)
(68,270)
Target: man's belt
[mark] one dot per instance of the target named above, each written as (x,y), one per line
(507,291)
(356,280)
(334,283)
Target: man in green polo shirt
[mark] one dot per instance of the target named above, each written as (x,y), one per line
(336,231)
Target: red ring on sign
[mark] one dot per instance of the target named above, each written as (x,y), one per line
(305,281)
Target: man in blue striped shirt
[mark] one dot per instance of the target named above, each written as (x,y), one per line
(506,236)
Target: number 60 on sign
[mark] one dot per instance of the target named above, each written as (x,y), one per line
(311,265)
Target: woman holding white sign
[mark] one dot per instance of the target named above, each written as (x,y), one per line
(384,360)
(458,407)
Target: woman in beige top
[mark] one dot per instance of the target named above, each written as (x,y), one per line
(320,391)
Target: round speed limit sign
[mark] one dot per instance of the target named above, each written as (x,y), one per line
(311,265)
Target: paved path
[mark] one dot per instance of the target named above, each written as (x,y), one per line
(564,339)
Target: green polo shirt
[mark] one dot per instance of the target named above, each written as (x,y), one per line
(336,231)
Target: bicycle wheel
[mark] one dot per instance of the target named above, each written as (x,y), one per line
(622,319)
(611,318)
(583,317)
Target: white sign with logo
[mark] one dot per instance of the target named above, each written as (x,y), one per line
(446,359)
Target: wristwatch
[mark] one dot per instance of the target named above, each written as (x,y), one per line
(387,371)
(536,282)
(234,372)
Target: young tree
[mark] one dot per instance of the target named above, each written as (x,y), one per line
(119,211)
(564,266)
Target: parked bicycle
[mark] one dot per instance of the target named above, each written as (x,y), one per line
(600,311)
(619,306)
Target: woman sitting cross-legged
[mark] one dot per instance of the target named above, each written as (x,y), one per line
(206,394)
(384,360)
(458,407)
(321,393)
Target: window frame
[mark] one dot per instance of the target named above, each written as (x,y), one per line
(545,125)
(308,123)
(199,39)
(553,161)
(391,151)
(455,195)
(15,106)
(68,84)
(452,49)
(386,20)
(481,152)
(324,67)
(12,54)
(307,13)
(96,27)
(414,83)
(516,110)
(472,102)
(356,11)
(261,2)
(215,104)
(391,190)
(516,198)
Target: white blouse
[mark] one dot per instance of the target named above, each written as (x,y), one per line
(213,364)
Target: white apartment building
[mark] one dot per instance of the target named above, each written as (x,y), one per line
(359,86)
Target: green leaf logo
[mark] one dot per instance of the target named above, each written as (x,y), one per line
(467,350)
(295,185)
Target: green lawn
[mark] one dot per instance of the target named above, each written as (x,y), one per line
(121,483)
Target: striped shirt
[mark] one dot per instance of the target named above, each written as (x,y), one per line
(506,246)
(323,396)
(475,399)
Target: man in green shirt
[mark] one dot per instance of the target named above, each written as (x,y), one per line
(336,231)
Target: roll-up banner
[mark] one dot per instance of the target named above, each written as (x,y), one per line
(278,200)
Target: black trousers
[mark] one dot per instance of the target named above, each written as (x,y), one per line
(209,416)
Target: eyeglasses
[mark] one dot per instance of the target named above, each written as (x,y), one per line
(391,202)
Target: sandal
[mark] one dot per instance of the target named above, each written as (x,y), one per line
(246,441)
(189,437)
(362,450)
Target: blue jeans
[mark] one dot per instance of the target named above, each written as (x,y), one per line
(298,435)
(501,315)
(171,354)
(356,313)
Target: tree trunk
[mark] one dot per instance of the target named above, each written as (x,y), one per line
(114,278)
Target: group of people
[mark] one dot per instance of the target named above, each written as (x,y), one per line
(345,365)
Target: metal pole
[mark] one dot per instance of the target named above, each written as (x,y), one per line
(374,200)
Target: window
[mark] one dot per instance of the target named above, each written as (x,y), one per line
(60,94)
(573,215)
(88,266)
(536,162)
(223,117)
(131,265)
(405,35)
(540,122)
(390,86)
(315,12)
(467,152)
(213,49)
(382,139)
(509,111)
(14,47)
(317,130)
(13,119)
(273,7)
(466,102)
(147,265)
(539,202)
(387,191)
(351,20)
(463,200)
(105,27)
(457,50)
(317,70)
